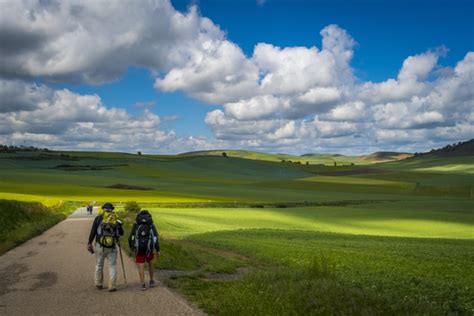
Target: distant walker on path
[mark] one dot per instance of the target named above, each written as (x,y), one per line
(106,230)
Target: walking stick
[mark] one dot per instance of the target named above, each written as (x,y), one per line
(123,267)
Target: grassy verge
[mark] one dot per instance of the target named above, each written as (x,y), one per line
(403,257)
(312,273)
(24,220)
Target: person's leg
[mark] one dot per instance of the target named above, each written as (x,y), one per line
(112,258)
(99,265)
(140,260)
(141,272)
(151,269)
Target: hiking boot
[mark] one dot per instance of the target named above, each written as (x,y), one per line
(99,287)
(152,283)
(112,290)
(143,287)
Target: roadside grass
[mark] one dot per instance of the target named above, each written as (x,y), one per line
(45,200)
(312,273)
(24,220)
(365,274)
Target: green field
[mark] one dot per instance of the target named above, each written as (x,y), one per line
(394,257)
(249,234)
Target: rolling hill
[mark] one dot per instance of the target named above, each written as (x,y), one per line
(384,156)
(310,158)
(458,149)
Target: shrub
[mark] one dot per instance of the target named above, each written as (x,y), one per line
(132,207)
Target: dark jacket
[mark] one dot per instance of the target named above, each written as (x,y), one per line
(97,221)
(131,238)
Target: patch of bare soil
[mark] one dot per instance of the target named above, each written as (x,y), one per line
(238,274)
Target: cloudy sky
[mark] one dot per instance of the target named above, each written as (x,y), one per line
(279,76)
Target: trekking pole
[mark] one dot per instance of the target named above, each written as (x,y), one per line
(123,267)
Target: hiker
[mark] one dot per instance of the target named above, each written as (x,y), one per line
(143,240)
(90,208)
(106,230)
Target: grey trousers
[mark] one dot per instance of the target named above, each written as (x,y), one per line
(100,254)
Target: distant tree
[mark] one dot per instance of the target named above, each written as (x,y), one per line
(335,164)
(307,163)
(139,153)
(283,161)
(224,154)
(352,164)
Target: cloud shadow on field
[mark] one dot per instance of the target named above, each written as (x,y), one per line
(391,219)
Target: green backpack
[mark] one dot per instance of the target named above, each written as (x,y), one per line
(107,230)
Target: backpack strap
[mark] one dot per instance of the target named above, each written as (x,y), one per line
(136,239)
(150,241)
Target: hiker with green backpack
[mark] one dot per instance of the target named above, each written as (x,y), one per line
(143,240)
(106,230)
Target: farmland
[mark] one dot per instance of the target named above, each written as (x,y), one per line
(250,234)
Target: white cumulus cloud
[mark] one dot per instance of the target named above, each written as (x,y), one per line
(290,98)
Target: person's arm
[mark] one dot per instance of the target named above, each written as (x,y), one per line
(93,232)
(157,239)
(92,235)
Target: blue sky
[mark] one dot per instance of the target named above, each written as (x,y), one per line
(379,35)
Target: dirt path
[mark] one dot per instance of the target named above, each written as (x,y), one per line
(53,274)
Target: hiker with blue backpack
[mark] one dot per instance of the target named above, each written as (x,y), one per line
(106,231)
(143,240)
